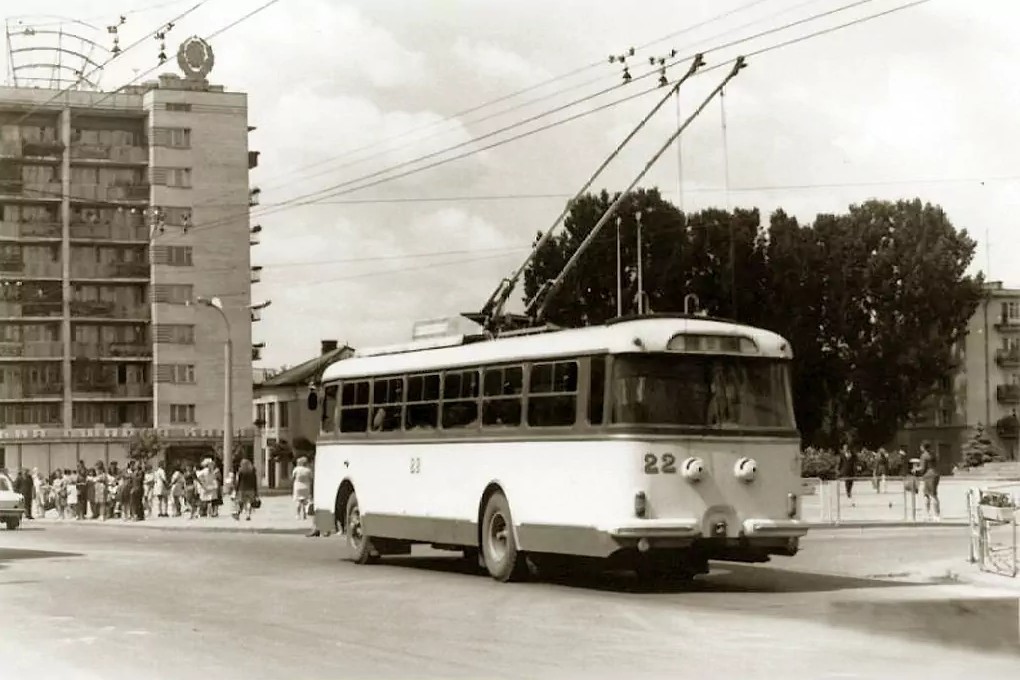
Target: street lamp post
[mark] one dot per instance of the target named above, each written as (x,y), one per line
(228,384)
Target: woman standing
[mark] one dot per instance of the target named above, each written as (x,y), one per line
(302,484)
(246,487)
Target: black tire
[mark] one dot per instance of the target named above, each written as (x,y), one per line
(360,545)
(13,523)
(503,560)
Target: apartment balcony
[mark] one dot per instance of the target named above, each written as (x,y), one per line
(1008,324)
(43,390)
(81,231)
(33,309)
(109,154)
(111,350)
(1008,394)
(31,230)
(94,309)
(128,192)
(13,189)
(110,270)
(31,349)
(51,150)
(1008,358)
(33,267)
(109,389)
(12,263)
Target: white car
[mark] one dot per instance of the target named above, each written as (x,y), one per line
(12,504)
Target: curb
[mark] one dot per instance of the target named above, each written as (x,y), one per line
(888,525)
(129,526)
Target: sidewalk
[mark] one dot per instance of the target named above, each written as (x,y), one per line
(276,516)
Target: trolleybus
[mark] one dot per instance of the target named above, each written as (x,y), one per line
(659,441)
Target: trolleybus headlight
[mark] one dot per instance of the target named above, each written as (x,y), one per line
(791,505)
(640,504)
(693,469)
(745,470)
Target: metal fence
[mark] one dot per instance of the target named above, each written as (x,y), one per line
(883,500)
(993,532)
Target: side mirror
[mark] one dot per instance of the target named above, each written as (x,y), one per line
(313,400)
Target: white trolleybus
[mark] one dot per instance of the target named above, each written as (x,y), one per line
(657,442)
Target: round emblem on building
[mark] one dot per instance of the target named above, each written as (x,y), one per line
(195,57)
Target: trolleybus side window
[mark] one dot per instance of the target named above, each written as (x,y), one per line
(596,389)
(354,406)
(502,389)
(327,421)
(460,399)
(552,394)
(422,402)
(387,404)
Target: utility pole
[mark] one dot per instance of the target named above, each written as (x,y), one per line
(640,268)
(619,264)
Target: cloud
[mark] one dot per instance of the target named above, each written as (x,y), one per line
(495,63)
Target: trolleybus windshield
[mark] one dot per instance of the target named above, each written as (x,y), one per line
(714,392)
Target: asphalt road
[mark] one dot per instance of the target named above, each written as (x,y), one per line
(110,603)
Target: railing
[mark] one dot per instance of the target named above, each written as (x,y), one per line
(47,268)
(1008,323)
(34,308)
(993,528)
(104,350)
(92,308)
(1007,357)
(895,500)
(32,390)
(1008,394)
(12,264)
(42,149)
(110,152)
(12,229)
(128,192)
(109,389)
(109,270)
(109,232)
(32,349)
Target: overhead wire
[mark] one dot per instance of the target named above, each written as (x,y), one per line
(340,189)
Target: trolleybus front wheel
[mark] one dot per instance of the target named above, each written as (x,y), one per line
(360,544)
(499,547)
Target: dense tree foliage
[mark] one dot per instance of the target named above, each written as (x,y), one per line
(872,300)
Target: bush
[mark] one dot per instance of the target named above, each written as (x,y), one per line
(820,463)
(979,449)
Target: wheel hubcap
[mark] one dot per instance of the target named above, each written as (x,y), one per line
(498,543)
(355,535)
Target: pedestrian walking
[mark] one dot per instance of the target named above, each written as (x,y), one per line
(301,479)
(246,490)
(847,470)
(929,473)
(177,490)
(880,470)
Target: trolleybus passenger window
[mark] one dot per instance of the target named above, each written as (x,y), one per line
(501,404)
(422,402)
(354,407)
(596,390)
(387,404)
(460,399)
(552,394)
(328,418)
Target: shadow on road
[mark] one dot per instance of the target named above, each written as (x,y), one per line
(725,578)
(12,554)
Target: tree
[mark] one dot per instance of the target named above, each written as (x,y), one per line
(304,447)
(872,301)
(980,449)
(144,446)
(281,451)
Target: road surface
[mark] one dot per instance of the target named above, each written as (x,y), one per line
(99,602)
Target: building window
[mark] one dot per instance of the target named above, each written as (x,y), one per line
(271,415)
(174,256)
(284,414)
(182,413)
(1011,310)
(174,138)
(184,373)
(179,177)
(174,334)
(173,293)
(260,414)
(596,390)
(181,108)
(944,416)
(422,411)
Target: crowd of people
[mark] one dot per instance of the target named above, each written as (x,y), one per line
(139,491)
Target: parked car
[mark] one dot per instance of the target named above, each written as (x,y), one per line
(12,504)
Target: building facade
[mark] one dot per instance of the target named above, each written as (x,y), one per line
(984,389)
(118,211)
(281,413)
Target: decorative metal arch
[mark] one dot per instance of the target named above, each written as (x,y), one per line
(76,56)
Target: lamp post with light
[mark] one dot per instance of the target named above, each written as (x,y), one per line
(228,385)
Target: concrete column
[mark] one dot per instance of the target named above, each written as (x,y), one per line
(65,264)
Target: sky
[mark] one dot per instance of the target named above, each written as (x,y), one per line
(917,103)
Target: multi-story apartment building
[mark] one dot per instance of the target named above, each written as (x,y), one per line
(117,212)
(985,387)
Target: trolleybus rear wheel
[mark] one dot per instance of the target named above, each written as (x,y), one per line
(499,546)
(360,544)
